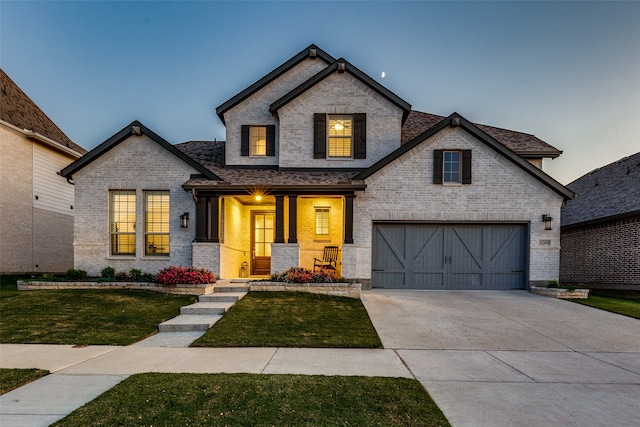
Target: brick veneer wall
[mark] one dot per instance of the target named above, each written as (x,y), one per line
(139,164)
(607,253)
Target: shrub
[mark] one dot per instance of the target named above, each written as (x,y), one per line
(171,276)
(135,274)
(553,284)
(74,274)
(108,273)
(120,275)
(303,275)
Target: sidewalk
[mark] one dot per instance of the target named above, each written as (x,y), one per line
(78,375)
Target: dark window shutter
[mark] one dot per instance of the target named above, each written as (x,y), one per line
(319,136)
(437,166)
(244,145)
(271,140)
(466,166)
(360,136)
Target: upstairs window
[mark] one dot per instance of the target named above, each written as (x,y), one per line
(258,140)
(452,166)
(156,221)
(122,222)
(340,136)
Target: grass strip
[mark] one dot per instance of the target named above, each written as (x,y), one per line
(259,400)
(83,316)
(627,307)
(293,319)
(11,379)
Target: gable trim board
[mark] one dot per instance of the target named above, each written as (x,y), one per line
(134,128)
(341,66)
(456,120)
(312,52)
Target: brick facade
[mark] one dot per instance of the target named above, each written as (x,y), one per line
(602,254)
(139,164)
(500,192)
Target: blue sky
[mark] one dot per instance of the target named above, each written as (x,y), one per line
(568,72)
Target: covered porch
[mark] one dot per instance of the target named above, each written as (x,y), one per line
(257,232)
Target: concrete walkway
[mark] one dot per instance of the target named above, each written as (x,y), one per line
(514,358)
(81,374)
(487,358)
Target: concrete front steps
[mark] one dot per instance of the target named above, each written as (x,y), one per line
(207,311)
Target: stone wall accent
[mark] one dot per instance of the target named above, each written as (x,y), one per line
(284,256)
(181,289)
(206,255)
(605,254)
(137,163)
(351,290)
(561,293)
(500,192)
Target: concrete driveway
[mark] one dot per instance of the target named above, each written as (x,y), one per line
(512,358)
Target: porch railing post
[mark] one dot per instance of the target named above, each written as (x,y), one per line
(293,218)
(202,214)
(348,218)
(215,222)
(279,237)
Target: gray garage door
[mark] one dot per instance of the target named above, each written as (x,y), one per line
(437,256)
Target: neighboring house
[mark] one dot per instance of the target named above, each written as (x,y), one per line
(600,234)
(317,153)
(36,203)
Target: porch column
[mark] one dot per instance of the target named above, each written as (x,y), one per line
(348,218)
(279,237)
(293,218)
(215,215)
(202,214)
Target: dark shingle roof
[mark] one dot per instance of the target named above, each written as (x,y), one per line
(19,110)
(211,155)
(609,191)
(523,144)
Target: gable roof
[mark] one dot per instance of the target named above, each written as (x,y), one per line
(342,65)
(456,119)
(134,128)
(605,193)
(523,144)
(20,111)
(312,51)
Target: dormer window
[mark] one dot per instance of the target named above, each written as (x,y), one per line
(340,133)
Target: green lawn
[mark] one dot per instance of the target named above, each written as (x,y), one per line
(13,378)
(259,400)
(293,319)
(621,302)
(82,316)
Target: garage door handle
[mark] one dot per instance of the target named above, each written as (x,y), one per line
(377,269)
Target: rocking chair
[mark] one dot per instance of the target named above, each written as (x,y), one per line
(329,259)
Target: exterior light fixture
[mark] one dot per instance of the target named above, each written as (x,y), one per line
(548,222)
(258,198)
(184,220)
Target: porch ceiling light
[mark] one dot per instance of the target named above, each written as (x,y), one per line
(184,220)
(548,222)
(258,198)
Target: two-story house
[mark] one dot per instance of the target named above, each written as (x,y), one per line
(317,153)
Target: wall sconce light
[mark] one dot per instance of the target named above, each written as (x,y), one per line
(548,222)
(184,220)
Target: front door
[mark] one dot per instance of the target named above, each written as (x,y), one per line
(261,239)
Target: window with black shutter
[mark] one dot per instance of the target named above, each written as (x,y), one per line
(258,141)
(340,136)
(452,166)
